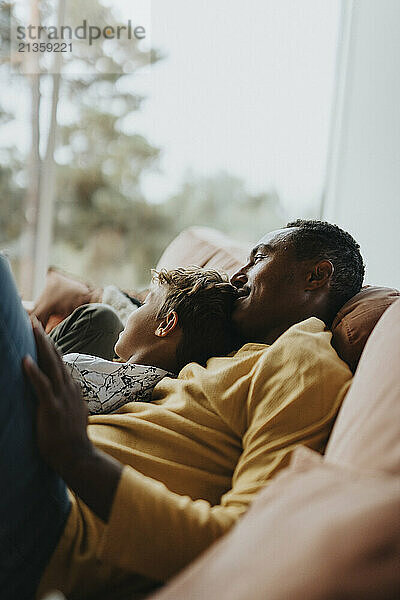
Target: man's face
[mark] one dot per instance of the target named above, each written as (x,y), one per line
(270,288)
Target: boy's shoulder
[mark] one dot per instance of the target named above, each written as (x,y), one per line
(88,363)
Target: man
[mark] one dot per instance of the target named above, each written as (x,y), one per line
(155,484)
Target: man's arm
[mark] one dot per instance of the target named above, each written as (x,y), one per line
(139,505)
(61,430)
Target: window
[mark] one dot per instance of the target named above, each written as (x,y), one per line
(229,128)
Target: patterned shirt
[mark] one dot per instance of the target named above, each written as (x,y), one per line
(106,385)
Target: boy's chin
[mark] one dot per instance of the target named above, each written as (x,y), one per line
(119,351)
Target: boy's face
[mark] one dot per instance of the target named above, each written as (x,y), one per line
(139,337)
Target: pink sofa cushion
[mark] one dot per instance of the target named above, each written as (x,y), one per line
(356,319)
(317,531)
(366,434)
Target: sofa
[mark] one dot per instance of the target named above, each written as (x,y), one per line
(326,527)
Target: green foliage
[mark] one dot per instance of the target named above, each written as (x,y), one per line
(104,228)
(12,207)
(222,201)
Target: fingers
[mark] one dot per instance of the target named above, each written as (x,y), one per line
(41,314)
(49,360)
(40,382)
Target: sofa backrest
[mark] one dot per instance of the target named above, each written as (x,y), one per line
(366,434)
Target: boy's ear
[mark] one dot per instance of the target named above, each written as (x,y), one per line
(167,325)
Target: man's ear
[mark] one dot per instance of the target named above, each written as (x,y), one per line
(319,275)
(167,325)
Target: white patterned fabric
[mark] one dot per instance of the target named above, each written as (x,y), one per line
(106,385)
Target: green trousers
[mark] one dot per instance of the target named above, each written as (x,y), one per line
(91,329)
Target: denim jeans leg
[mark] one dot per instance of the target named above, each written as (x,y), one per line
(34,504)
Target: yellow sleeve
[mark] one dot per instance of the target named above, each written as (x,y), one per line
(155,532)
(295,393)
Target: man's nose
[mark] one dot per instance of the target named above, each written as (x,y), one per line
(239,278)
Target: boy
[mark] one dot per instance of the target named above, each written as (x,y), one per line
(185,318)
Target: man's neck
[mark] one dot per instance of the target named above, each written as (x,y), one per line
(271,336)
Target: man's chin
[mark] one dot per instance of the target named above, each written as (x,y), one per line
(242,319)
(238,315)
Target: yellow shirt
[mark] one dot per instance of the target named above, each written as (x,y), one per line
(197,456)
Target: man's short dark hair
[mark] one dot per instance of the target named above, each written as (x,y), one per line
(320,240)
(203,300)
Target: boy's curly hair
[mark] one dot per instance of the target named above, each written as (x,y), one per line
(203,300)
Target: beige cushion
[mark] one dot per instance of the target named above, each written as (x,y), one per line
(204,247)
(356,319)
(366,434)
(317,532)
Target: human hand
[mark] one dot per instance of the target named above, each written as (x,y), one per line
(61,429)
(62,294)
(61,414)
